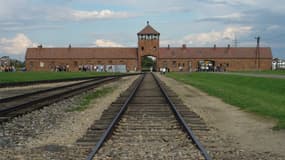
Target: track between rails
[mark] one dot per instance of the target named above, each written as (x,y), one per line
(145,122)
(18,105)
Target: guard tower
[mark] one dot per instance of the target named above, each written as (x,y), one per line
(148,44)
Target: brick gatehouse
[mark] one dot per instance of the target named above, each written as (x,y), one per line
(174,58)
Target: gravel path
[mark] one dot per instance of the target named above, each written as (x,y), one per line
(243,135)
(51,133)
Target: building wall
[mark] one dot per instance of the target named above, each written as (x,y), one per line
(73,64)
(227,64)
(131,64)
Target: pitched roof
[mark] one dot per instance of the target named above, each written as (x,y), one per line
(208,53)
(81,53)
(148,29)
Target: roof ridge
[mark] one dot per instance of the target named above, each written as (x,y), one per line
(148,29)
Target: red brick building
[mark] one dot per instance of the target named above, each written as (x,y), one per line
(175,59)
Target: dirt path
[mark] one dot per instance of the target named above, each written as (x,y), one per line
(249,131)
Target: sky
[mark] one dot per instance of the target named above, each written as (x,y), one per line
(115,23)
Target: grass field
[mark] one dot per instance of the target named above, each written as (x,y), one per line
(263,96)
(277,72)
(9,77)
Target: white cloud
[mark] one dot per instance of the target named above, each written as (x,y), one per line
(229,17)
(32,27)
(227,34)
(64,13)
(91,15)
(16,45)
(106,43)
(273,27)
(171,43)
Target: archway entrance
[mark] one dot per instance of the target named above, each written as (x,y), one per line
(148,63)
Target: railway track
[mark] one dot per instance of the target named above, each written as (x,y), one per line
(28,83)
(146,122)
(21,104)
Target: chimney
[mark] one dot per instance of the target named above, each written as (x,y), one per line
(69,46)
(215,46)
(168,46)
(184,46)
(229,46)
(40,46)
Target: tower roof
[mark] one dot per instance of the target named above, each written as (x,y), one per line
(148,30)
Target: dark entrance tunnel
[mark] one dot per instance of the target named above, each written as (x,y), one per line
(148,63)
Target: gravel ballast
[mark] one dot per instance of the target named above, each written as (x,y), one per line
(15,91)
(51,133)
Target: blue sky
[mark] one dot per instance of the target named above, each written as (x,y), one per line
(101,23)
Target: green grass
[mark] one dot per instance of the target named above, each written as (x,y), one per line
(263,96)
(276,72)
(87,99)
(10,77)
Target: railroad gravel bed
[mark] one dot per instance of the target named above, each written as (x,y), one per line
(51,133)
(149,130)
(14,91)
(217,140)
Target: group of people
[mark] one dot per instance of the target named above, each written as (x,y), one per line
(163,70)
(7,69)
(91,68)
(62,68)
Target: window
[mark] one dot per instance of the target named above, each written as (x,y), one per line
(31,64)
(148,37)
(42,64)
(142,48)
(154,48)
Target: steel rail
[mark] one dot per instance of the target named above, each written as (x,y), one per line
(27,83)
(182,121)
(61,87)
(42,91)
(110,128)
(52,98)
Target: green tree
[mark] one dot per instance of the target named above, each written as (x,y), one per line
(148,62)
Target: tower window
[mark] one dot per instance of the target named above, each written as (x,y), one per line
(142,48)
(155,37)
